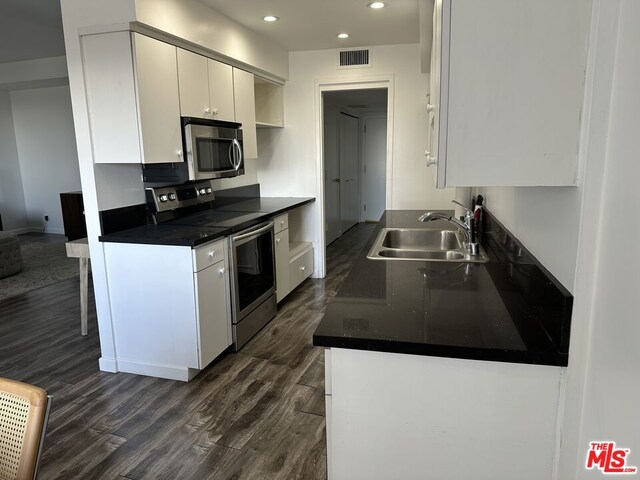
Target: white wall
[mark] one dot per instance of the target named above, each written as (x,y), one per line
(47,151)
(545,219)
(604,382)
(12,205)
(287,163)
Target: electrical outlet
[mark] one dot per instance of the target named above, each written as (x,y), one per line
(46,218)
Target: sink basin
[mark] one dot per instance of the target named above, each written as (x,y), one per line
(423,244)
(412,239)
(423,255)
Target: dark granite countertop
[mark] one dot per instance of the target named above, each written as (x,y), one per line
(204,226)
(509,309)
(270,205)
(165,234)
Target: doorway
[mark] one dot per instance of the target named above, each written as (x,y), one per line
(355,158)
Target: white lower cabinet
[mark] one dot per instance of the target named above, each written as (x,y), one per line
(212,293)
(294,260)
(300,264)
(415,417)
(282,264)
(170,307)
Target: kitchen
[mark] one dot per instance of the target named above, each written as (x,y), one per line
(562,216)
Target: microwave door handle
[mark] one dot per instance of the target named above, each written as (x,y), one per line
(232,155)
(237,148)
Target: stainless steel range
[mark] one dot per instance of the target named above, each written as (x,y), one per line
(251,250)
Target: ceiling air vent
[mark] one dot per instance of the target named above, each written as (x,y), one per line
(354,58)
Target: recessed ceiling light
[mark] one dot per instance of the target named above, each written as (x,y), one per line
(270,18)
(376,5)
(343,35)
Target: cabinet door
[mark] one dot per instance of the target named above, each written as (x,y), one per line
(156,74)
(245,106)
(221,91)
(282,264)
(511,90)
(437,107)
(193,84)
(214,315)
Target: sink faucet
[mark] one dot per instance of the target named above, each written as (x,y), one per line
(466,227)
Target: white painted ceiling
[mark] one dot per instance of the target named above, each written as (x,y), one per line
(30,29)
(361,100)
(314,24)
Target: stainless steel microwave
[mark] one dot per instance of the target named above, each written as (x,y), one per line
(213,149)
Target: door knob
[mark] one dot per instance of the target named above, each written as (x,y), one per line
(431,160)
(430,108)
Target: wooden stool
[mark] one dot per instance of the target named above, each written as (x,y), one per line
(80,249)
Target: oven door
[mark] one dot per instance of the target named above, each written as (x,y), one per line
(213,152)
(252,268)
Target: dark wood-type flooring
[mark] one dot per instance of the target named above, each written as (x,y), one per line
(256,414)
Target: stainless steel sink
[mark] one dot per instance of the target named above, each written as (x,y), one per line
(411,239)
(423,245)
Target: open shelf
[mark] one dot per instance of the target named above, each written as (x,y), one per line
(269,103)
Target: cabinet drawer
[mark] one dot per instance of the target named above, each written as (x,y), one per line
(280,223)
(300,268)
(209,254)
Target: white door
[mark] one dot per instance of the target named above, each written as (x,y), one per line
(374,168)
(331,175)
(349,190)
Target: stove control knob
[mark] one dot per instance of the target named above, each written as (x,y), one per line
(163,198)
(209,190)
(202,191)
(172,196)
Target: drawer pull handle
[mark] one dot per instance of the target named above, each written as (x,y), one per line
(212,254)
(221,271)
(277,240)
(302,268)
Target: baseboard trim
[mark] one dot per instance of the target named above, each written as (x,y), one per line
(20,231)
(108,364)
(170,372)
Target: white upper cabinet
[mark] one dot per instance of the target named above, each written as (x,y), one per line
(156,76)
(206,87)
(221,91)
(138,88)
(245,107)
(193,83)
(132,96)
(507,90)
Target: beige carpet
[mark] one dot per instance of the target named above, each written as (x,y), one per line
(45,263)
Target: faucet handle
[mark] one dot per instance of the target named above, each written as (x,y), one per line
(469,212)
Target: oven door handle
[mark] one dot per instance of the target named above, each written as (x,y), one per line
(265,227)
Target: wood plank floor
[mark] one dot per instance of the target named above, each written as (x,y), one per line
(256,414)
